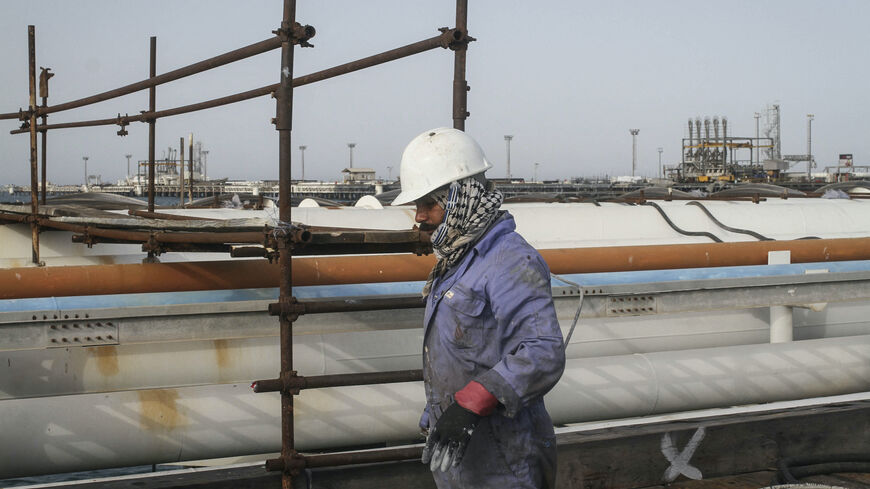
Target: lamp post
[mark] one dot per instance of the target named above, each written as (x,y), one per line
(85,158)
(351,146)
(661,173)
(128,163)
(757,134)
(507,140)
(536,172)
(390,173)
(302,150)
(810,162)
(633,149)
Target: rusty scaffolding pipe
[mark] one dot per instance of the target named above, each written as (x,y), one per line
(293,383)
(152,106)
(44,76)
(17,283)
(289,459)
(460,85)
(157,236)
(34,177)
(153,81)
(288,309)
(444,40)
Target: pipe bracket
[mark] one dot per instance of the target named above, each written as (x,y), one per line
(298,34)
(287,307)
(123,122)
(287,383)
(292,463)
(454,39)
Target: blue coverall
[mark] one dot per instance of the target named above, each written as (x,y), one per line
(491,319)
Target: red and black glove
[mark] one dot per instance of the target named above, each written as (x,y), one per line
(447,441)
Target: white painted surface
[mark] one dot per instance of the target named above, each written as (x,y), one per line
(150,426)
(550,225)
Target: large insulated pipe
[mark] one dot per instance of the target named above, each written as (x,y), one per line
(81,432)
(158,354)
(18,283)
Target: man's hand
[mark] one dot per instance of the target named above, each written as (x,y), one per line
(447,441)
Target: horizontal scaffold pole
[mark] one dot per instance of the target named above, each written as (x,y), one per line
(16,283)
(442,40)
(199,67)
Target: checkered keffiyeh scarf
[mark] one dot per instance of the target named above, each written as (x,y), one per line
(469,208)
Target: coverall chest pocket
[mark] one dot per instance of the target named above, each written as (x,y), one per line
(463,321)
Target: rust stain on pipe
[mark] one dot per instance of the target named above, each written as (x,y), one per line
(222,353)
(107,360)
(17,283)
(159,410)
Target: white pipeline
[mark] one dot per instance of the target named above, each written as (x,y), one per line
(79,432)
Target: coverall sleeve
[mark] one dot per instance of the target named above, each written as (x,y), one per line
(533,357)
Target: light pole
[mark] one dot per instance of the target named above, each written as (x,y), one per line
(810,163)
(302,150)
(86,170)
(536,172)
(661,173)
(757,142)
(507,140)
(351,146)
(633,149)
(128,164)
(390,173)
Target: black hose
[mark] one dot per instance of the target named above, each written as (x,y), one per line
(729,228)
(677,228)
(758,236)
(794,468)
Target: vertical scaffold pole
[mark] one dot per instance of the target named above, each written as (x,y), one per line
(34,177)
(460,84)
(152,106)
(44,75)
(181,172)
(190,159)
(284,125)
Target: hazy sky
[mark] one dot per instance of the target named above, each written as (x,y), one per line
(566,78)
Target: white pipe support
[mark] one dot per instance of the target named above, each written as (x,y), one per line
(781,317)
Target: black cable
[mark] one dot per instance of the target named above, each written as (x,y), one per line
(792,469)
(677,228)
(729,228)
(758,236)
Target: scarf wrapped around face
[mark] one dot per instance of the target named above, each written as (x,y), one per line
(469,208)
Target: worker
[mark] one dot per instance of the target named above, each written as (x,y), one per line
(492,346)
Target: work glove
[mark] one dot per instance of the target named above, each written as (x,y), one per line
(448,440)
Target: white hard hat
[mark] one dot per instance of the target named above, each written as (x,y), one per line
(435,158)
